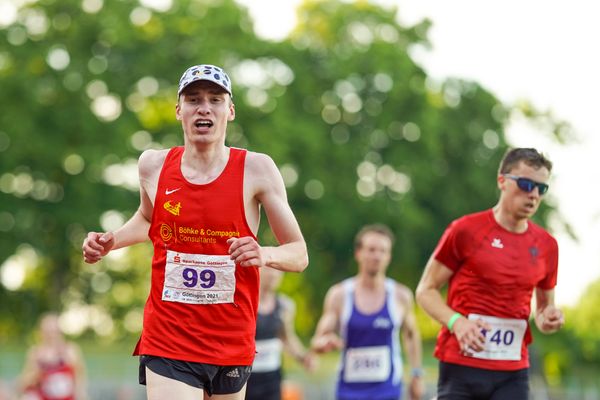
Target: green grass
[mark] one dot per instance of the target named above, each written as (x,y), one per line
(113,363)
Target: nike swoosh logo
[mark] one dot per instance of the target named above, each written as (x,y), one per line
(167,191)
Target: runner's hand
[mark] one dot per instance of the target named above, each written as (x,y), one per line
(470,334)
(310,361)
(326,343)
(96,245)
(550,320)
(246,252)
(416,388)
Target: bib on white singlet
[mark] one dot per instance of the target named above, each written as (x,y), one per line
(268,355)
(198,278)
(367,364)
(504,340)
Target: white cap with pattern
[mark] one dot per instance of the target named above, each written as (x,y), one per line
(205,72)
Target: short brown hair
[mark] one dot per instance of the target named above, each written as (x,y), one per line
(377,228)
(529,156)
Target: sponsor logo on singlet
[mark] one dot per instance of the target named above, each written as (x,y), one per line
(497,243)
(172,208)
(166,232)
(533,252)
(381,323)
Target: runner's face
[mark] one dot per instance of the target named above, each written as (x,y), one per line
(374,254)
(519,203)
(204,109)
(49,328)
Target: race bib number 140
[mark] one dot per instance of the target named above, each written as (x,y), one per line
(198,278)
(504,340)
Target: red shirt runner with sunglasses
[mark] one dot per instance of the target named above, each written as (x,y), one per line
(495,272)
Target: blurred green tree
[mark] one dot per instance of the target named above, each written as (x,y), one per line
(86,86)
(369,137)
(361,135)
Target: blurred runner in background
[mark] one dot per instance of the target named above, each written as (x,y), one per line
(54,368)
(364,316)
(274,332)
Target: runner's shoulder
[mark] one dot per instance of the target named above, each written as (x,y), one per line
(542,233)
(259,162)
(335,295)
(404,294)
(153,157)
(151,161)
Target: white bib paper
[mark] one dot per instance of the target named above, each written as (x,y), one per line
(59,385)
(367,364)
(198,278)
(268,355)
(504,340)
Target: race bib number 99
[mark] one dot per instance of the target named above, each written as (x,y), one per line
(198,278)
(367,364)
(504,340)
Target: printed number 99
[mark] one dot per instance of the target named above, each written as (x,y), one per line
(191,277)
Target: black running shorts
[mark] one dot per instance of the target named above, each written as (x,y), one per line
(459,382)
(213,379)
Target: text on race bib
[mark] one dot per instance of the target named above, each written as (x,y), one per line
(198,278)
(504,340)
(268,355)
(367,364)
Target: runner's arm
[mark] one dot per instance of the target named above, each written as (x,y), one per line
(468,333)
(30,374)
(326,338)
(290,339)
(98,244)
(80,372)
(135,230)
(428,293)
(411,339)
(269,191)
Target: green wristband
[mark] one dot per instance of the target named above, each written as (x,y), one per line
(452,320)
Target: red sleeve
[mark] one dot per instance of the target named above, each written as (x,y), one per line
(449,250)
(551,260)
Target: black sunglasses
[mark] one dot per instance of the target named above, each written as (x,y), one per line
(527,185)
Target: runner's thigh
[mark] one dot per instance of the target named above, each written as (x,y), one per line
(159,387)
(515,388)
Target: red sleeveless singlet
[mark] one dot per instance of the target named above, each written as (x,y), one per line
(201,307)
(56,382)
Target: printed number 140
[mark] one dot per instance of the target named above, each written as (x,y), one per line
(501,337)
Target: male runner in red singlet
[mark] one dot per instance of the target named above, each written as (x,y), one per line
(200,206)
(493,261)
